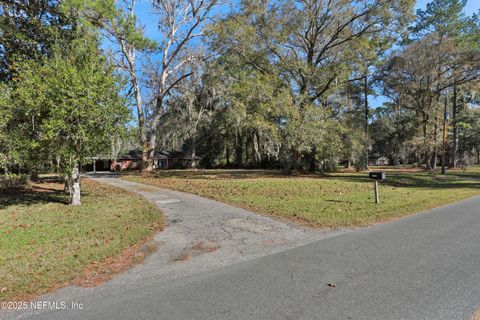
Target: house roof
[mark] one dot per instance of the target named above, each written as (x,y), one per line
(137,155)
(131,155)
(174,155)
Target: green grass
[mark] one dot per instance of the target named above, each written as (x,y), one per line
(45,243)
(334,201)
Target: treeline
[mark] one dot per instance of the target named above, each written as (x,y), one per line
(293,81)
(273,84)
(287,84)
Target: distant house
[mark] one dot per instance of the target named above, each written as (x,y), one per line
(130,161)
(99,163)
(161,160)
(173,159)
(382,161)
(133,159)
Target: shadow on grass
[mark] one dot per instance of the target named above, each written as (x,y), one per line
(394,179)
(471,176)
(43,190)
(217,174)
(418,180)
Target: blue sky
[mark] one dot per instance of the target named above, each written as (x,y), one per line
(471,7)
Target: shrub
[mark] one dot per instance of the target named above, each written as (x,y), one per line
(11,181)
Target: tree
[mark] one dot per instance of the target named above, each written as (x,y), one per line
(308,45)
(119,25)
(65,106)
(393,131)
(412,80)
(6,153)
(180,22)
(29,30)
(446,20)
(250,108)
(438,57)
(191,109)
(469,124)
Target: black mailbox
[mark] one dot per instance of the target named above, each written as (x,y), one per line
(377,175)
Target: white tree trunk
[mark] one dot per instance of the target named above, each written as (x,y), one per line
(75,188)
(194,163)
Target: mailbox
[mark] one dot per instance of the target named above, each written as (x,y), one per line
(377,175)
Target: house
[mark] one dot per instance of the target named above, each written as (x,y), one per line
(382,161)
(130,161)
(161,160)
(174,159)
(100,163)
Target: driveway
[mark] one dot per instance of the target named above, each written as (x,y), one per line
(209,234)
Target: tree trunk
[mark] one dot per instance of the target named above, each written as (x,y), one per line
(151,153)
(417,159)
(435,147)
(455,129)
(67,184)
(238,150)
(394,158)
(256,148)
(75,186)
(141,125)
(246,150)
(152,145)
(227,153)
(313,160)
(194,149)
(57,164)
(426,156)
(227,148)
(34,174)
(130,57)
(295,159)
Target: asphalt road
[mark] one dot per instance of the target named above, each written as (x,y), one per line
(425,266)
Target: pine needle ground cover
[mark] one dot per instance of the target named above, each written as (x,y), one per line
(46,244)
(333,201)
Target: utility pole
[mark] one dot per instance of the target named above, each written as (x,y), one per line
(365,93)
(455,128)
(445,118)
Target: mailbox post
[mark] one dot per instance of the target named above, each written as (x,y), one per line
(376,176)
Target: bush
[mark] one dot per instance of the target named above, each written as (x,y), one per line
(360,163)
(13,181)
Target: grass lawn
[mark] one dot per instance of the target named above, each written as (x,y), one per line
(45,243)
(333,201)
